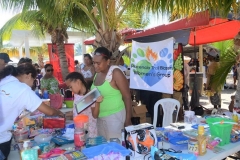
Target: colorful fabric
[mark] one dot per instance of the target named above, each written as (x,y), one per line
(50,84)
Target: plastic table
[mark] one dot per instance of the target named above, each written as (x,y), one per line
(229,150)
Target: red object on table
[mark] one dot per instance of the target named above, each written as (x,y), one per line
(53,122)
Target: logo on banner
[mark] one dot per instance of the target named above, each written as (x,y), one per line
(152,66)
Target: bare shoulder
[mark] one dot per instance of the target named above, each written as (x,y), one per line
(117,73)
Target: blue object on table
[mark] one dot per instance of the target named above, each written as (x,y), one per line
(196,126)
(90,142)
(60,140)
(45,95)
(187,156)
(105,149)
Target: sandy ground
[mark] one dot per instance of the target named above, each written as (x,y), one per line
(225,95)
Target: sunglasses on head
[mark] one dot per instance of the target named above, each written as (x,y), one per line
(49,70)
(100,54)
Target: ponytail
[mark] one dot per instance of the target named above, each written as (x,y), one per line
(9,70)
(20,70)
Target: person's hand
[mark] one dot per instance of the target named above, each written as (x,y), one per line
(99,99)
(127,123)
(60,114)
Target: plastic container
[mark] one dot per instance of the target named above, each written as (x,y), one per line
(105,149)
(221,130)
(81,121)
(20,135)
(79,137)
(43,138)
(68,102)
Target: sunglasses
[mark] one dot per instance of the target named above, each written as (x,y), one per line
(50,70)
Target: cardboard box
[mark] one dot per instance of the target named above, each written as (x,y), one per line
(140,138)
(139,111)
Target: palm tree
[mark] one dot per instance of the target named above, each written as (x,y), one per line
(106,16)
(227,60)
(54,21)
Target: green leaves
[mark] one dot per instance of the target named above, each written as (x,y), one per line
(227,60)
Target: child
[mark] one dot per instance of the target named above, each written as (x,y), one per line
(76,83)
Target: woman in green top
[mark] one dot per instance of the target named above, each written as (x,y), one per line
(48,82)
(115,109)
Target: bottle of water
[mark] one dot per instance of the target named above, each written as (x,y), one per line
(45,94)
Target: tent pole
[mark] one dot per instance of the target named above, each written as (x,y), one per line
(200,58)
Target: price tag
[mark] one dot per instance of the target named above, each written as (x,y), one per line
(192,147)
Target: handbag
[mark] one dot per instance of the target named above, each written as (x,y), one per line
(56,100)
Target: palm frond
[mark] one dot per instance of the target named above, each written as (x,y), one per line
(227,60)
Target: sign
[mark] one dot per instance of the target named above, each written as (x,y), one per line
(152,66)
(55,60)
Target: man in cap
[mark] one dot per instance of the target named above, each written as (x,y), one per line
(213,57)
(4,59)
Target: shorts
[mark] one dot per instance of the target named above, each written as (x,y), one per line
(5,148)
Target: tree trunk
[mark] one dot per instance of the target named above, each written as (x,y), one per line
(63,59)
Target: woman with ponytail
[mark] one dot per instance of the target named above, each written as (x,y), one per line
(15,96)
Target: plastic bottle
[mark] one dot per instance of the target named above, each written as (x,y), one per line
(45,94)
(25,147)
(123,138)
(202,141)
(214,143)
(235,116)
(79,137)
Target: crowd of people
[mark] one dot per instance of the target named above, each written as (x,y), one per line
(107,117)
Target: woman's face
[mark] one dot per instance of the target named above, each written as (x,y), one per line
(49,70)
(100,64)
(75,85)
(87,61)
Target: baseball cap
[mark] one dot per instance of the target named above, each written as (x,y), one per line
(213,52)
(5,57)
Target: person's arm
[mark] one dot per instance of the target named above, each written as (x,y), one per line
(123,86)
(49,110)
(93,73)
(95,110)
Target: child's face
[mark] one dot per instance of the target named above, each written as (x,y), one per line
(74,85)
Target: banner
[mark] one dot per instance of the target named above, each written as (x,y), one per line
(152,66)
(55,60)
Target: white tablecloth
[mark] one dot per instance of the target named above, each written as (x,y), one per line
(229,150)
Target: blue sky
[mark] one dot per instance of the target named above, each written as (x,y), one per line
(154,20)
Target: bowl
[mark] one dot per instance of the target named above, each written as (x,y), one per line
(43,138)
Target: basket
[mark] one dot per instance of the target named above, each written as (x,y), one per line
(221,129)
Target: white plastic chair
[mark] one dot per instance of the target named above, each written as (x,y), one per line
(168,105)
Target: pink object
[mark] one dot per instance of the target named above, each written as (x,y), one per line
(56,100)
(52,153)
(79,137)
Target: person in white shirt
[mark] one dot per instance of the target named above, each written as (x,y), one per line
(15,96)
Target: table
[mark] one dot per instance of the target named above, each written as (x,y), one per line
(229,150)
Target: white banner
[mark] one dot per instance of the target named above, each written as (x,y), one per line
(152,66)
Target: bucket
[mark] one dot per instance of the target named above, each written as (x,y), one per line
(68,102)
(221,130)
(81,121)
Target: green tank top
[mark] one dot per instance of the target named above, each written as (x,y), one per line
(112,99)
